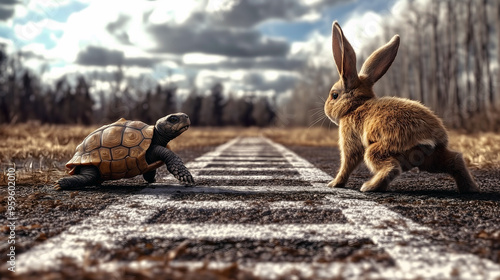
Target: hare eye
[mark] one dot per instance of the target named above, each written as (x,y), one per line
(335,95)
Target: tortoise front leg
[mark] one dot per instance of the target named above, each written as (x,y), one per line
(172,161)
(87,176)
(150,176)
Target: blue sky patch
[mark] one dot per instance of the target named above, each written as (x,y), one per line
(58,13)
(291,31)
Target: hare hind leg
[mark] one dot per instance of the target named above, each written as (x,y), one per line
(443,160)
(384,167)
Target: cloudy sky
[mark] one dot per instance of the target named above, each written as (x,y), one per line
(248,45)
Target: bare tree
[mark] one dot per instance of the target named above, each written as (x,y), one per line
(485,31)
(262,112)
(498,50)
(192,107)
(452,66)
(419,56)
(435,77)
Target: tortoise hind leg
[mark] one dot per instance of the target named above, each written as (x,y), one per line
(150,176)
(87,176)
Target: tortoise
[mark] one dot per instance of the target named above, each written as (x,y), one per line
(125,149)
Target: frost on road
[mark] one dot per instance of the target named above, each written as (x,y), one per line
(262,206)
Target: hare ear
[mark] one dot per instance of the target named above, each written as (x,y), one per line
(345,57)
(380,60)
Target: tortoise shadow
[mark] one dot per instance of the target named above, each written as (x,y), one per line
(158,189)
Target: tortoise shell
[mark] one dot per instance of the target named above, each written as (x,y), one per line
(118,150)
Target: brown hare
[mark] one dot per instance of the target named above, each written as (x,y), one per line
(391,134)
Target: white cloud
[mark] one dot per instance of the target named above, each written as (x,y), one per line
(177,78)
(35,48)
(166,12)
(361,29)
(167,65)
(31,29)
(220,6)
(207,78)
(317,50)
(271,75)
(20,11)
(310,2)
(47,4)
(201,58)
(237,75)
(311,17)
(88,28)
(137,71)
(33,63)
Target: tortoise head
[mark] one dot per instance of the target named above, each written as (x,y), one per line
(172,125)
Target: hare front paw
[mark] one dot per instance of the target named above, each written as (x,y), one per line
(336,184)
(372,187)
(367,187)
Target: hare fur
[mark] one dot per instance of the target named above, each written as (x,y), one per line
(390,134)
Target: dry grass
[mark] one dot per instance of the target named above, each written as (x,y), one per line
(40,151)
(27,141)
(480,150)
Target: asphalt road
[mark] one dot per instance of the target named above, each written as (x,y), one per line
(261,210)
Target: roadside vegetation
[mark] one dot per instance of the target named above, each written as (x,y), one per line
(40,151)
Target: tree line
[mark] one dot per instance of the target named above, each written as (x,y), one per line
(23,98)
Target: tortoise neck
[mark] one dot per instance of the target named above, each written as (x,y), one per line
(161,139)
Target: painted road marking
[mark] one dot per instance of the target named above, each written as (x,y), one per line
(404,240)
(254,169)
(238,204)
(247,177)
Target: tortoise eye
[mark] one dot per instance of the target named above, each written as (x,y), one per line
(173,119)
